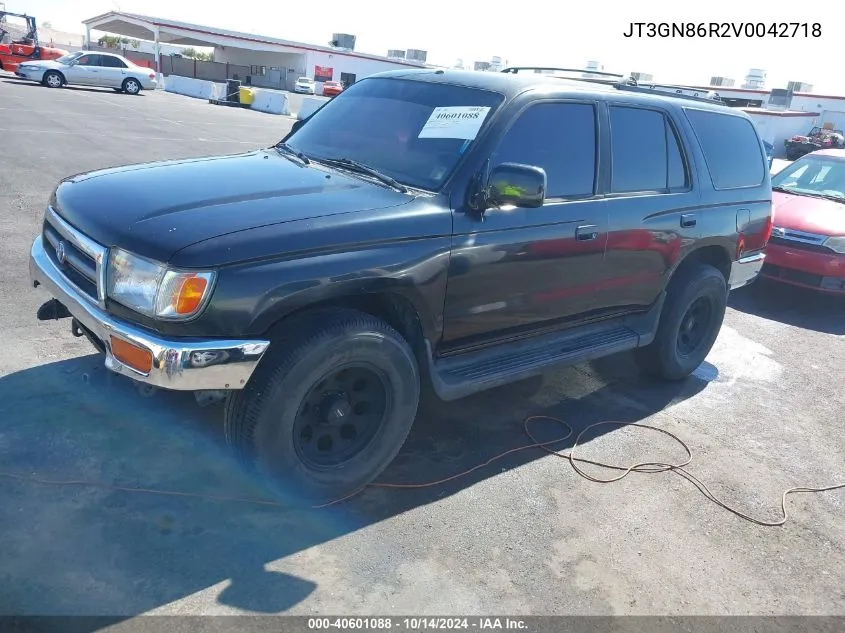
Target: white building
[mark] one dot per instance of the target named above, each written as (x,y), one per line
(256,59)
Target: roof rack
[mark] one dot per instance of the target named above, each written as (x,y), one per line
(621,82)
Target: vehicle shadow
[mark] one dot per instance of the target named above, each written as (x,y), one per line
(791,305)
(16,81)
(83,550)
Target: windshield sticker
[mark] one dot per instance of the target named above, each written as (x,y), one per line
(462,122)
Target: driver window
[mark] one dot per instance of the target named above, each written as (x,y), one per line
(88,60)
(560,138)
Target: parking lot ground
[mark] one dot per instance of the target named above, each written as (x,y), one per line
(524,535)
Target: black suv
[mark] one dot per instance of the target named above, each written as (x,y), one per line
(424,229)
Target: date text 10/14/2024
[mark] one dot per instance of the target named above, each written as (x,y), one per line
(415,624)
(723,29)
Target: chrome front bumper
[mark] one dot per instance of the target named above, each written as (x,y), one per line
(178,364)
(746,270)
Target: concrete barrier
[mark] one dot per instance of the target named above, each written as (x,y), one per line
(309,106)
(270,101)
(190,87)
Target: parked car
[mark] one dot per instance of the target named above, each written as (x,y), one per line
(305,85)
(454,231)
(104,70)
(332,88)
(817,138)
(807,247)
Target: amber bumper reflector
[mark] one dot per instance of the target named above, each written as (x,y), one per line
(131,355)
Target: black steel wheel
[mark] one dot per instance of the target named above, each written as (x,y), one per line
(695,325)
(689,323)
(341,415)
(329,406)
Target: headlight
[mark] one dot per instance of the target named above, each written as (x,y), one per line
(155,290)
(836,244)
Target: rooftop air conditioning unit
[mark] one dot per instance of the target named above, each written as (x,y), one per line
(415,55)
(344,41)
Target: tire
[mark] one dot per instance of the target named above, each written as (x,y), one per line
(53,79)
(700,292)
(279,423)
(131,86)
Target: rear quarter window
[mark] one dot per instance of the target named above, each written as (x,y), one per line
(731,149)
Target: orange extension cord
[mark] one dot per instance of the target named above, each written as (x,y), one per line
(644,467)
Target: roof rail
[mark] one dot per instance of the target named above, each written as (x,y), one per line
(537,69)
(621,82)
(684,92)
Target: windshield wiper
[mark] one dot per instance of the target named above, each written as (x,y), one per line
(287,150)
(811,194)
(361,168)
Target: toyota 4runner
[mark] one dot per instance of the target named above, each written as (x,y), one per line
(425,229)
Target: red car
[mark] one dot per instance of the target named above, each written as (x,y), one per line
(332,88)
(807,246)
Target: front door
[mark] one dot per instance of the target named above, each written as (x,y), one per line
(522,269)
(85,72)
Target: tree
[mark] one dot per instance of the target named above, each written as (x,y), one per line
(47,24)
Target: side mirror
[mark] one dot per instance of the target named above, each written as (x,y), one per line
(297,124)
(517,185)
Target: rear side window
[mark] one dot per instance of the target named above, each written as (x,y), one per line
(645,153)
(731,149)
(112,62)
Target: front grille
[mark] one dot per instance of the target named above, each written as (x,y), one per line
(81,260)
(801,246)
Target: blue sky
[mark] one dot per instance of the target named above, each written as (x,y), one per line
(528,32)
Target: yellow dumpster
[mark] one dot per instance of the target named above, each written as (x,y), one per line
(247,95)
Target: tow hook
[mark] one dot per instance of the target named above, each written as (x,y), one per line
(75,329)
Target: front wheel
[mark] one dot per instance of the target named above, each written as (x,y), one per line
(328,408)
(53,79)
(131,86)
(689,324)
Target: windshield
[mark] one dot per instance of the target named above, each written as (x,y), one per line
(813,175)
(412,131)
(66,59)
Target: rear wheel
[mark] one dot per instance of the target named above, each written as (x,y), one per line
(131,86)
(53,79)
(689,324)
(328,408)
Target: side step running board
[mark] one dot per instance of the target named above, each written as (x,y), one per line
(458,376)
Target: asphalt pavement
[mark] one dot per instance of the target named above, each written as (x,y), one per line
(524,535)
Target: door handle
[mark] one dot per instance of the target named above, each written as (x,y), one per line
(586,233)
(688,220)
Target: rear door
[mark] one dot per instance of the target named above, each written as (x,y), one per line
(651,204)
(112,72)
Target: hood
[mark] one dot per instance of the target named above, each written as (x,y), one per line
(42,63)
(808,214)
(157,209)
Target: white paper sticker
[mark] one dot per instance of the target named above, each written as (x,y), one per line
(455,122)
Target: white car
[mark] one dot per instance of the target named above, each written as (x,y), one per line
(305,85)
(87,68)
